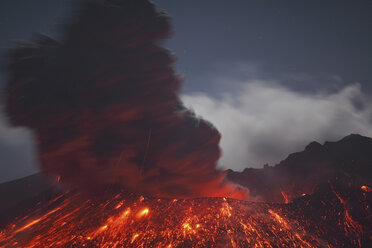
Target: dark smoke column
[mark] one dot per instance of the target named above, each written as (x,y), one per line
(104,105)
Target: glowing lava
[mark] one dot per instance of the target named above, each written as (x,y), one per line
(129,221)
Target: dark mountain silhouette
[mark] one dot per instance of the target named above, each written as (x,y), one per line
(303,172)
(331,174)
(20,195)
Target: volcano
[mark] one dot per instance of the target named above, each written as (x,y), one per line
(336,214)
(122,219)
(131,166)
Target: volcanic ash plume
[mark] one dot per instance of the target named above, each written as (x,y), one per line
(104,105)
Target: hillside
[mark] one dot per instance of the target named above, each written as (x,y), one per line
(302,172)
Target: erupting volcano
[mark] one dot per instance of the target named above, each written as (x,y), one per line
(137,168)
(126,220)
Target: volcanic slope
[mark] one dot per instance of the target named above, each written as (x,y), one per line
(303,172)
(119,219)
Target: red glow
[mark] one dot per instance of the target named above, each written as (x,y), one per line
(121,221)
(285,197)
(365,188)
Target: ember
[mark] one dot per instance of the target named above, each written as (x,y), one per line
(125,220)
(365,188)
(104,105)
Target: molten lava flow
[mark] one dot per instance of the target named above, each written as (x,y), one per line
(285,197)
(129,221)
(104,105)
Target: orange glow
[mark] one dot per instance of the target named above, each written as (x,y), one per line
(226,209)
(365,188)
(37,220)
(103,228)
(134,238)
(202,222)
(285,196)
(126,212)
(28,225)
(279,218)
(187,226)
(143,213)
(119,205)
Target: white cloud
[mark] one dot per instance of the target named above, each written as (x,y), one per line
(264,121)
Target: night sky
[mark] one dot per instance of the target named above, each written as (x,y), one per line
(271,75)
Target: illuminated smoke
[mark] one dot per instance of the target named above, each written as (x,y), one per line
(104,104)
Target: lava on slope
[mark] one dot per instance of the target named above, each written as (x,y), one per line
(125,220)
(104,105)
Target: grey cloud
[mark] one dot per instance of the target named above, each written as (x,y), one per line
(265,121)
(17,152)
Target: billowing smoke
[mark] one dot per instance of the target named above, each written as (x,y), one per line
(104,105)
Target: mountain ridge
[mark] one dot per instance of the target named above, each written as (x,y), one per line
(267,184)
(302,172)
